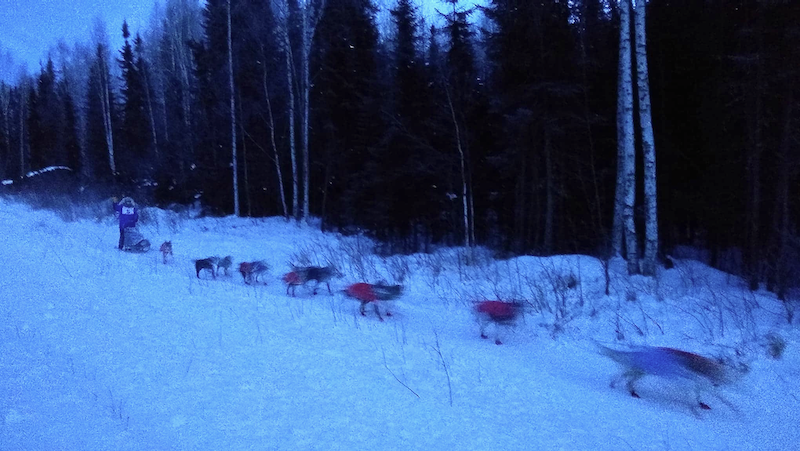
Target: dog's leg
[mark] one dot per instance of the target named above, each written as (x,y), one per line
(632,376)
(377,312)
(329,287)
(361,308)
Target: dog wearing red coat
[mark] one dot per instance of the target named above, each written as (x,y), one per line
(367,293)
(499,313)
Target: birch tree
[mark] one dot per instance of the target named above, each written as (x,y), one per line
(5,101)
(273,143)
(23,132)
(173,74)
(624,225)
(463,165)
(282,15)
(75,63)
(312,11)
(648,143)
(233,115)
(144,74)
(104,91)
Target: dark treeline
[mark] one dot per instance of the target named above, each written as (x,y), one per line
(490,126)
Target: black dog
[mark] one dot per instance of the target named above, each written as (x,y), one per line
(209,263)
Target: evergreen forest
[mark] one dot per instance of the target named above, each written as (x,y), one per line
(491,125)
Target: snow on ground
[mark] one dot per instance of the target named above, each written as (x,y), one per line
(105,350)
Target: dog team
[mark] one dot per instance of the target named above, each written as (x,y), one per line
(702,373)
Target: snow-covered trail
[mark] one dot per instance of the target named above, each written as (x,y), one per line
(108,350)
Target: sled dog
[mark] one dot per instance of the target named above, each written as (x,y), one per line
(499,313)
(166,250)
(704,373)
(209,263)
(367,293)
(301,275)
(225,264)
(251,270)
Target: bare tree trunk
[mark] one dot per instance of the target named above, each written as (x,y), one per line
(471,209)
(304,92)
(233,118)
(245,174)
(626,178)
(106,107)
(22,114)
(292,150)
(182,60)
(281,189)
(312,12)
(462,159)
(648,143)
(5,101)
(617,228)
(156,154)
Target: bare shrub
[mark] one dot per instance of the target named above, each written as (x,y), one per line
(398,268)
(554,291)
(775,345)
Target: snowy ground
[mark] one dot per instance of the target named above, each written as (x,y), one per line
(104,350)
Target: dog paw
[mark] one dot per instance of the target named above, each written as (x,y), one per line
(484,336)
(635,395)
(704,406)
(498,342)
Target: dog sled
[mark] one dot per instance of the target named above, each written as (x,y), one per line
(135,241)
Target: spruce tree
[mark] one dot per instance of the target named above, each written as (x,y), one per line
(45,121)
(349,111)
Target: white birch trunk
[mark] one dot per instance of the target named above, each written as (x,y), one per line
(282,15)
(304,92)
(311,15)
(105,103)
(151,115)
(22,115)
(292,150)
(617,228)
(462,159)
(5,101)
(626,139)
(272,137)
(648,143)
(233,118)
